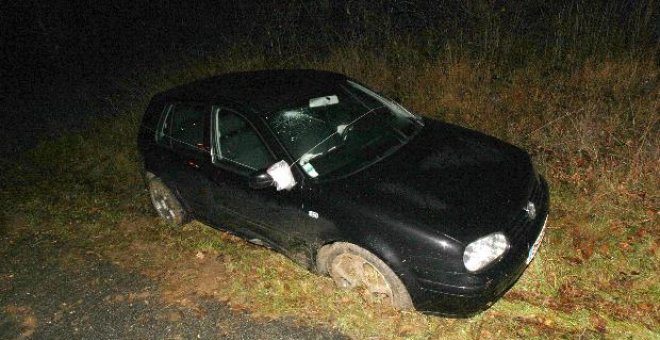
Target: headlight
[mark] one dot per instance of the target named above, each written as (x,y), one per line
(485,250)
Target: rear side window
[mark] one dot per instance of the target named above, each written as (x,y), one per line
(187,125)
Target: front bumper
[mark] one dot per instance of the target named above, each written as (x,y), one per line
(464,294)
(434,299)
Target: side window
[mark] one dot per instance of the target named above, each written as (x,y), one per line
(187,125)
(238,142)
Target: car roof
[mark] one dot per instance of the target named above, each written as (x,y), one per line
(262,91)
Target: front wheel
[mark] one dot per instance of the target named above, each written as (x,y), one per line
(166,203)
(351,266)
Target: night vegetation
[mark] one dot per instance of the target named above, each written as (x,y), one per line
(576,84)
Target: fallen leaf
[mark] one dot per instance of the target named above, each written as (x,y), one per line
(604,250)
(641,232)
(646,307)
(586,249)
(599,324)
(617,227)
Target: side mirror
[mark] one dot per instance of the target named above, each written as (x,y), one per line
(261,180)
(277,175)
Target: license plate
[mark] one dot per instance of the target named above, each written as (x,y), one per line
(537,243)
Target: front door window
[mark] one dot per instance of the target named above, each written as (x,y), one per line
(238,143)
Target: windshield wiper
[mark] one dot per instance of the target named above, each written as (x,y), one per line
(345,129)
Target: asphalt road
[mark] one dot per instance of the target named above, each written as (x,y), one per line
(53,290)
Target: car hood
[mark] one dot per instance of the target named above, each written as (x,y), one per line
(449,179)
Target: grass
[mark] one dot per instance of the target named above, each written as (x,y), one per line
(591,126)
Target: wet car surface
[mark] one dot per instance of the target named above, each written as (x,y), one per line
(348,183)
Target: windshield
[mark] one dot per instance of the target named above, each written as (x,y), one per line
(343,131)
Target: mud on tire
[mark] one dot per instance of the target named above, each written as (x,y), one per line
(351,266)
(167,205)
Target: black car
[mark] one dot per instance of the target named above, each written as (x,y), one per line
(347,183)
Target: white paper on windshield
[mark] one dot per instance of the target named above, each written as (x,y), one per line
(282,175)
(323,101)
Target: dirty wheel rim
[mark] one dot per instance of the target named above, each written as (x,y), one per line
(350,271)
(162,206)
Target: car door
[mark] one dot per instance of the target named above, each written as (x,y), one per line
(273,217)
(186,132)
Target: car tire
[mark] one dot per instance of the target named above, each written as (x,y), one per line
(167,205)
(351,266)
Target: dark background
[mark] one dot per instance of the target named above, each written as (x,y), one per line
(65,61)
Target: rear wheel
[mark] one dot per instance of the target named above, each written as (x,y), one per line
(166,203)
(351,266)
